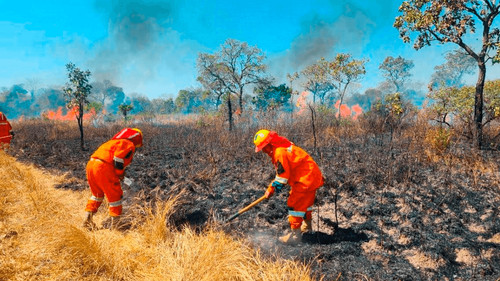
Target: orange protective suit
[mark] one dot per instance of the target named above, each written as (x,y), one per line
(5,131)
(105,169)
(295,167)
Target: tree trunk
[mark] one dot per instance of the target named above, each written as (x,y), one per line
(313,113)
(241,100)
(230,112)
(478,107)
(80,126)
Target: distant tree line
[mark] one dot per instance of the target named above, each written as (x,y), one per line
(234,78)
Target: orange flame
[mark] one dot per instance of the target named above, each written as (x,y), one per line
(69,116)
(302,101)
(357,111)
(345,111)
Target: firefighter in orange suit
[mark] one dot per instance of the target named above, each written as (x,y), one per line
(296,168)
(105,170)
(6,133)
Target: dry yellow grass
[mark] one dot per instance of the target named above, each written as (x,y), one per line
(41,239)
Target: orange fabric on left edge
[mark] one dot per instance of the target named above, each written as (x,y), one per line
(5,129)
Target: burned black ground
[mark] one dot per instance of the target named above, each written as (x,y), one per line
(404,213)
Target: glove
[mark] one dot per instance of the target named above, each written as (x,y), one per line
(269,191)
(12,134)
(278,186)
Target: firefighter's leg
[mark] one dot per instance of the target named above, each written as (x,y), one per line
(294,236)
(299,205)
(114,195)
(94,180)
(96,198)
(306,225)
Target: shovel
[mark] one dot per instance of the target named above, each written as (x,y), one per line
(250,206)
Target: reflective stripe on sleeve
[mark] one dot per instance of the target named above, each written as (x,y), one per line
(296,213)
(119,136)
(4,123)
(98,199)
(281,180)
(119,160)
(116,203)
(289,149)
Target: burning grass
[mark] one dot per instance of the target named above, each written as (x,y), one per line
(41,239)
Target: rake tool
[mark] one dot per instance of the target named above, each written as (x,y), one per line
(250,206)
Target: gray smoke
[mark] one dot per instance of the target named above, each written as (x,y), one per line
(136,38)
(346,28)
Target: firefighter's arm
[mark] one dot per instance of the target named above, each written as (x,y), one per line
(282,176)
(122,157)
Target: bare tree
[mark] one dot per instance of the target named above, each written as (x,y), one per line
(318,80)
(344,71)
(449,21)
(450,73)
(103,92)
(235,66)
(213,81)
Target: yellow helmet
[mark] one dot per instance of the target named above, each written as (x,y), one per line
(137,139)
(261,139)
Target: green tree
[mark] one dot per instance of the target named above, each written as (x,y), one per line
(271,97)
(100,92)
(449,21)
(457,103)
(393,110)
(163,106)
(125,109)
(188,101)
(396,71)
(77,91)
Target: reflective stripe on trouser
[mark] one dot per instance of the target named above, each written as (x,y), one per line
(6,138)
(300,207)
(103,182)
(93,204)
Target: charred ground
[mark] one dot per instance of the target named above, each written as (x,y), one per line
(405,212)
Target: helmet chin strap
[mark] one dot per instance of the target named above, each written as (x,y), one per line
(268,149)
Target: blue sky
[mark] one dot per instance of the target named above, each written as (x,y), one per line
(150,47)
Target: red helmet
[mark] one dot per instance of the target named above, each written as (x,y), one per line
(132,134)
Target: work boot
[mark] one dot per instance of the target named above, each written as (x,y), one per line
(306,226)
(292,238)
(88,223)
(115,223)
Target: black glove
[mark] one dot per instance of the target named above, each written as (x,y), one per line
(12,134)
